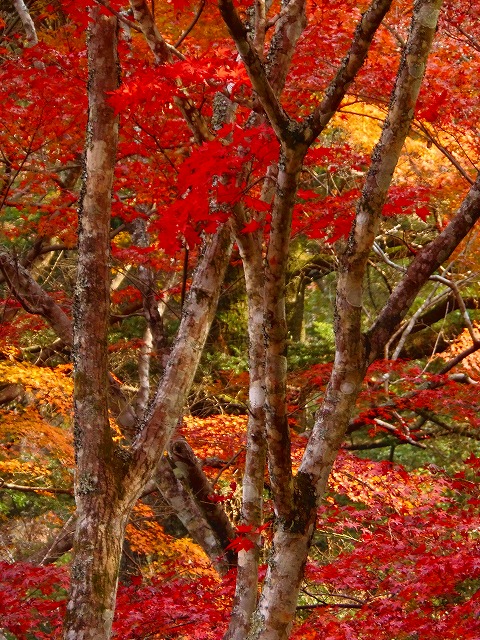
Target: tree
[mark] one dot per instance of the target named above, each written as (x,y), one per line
(253,140)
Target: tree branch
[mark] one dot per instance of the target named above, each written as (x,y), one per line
(27,489)
(351,65)
(421,268)
(27,22)
(33,298)
(280,121)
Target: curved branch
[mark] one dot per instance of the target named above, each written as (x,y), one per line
(196,18)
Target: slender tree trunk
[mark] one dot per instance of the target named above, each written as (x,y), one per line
(27,22)
(32,297)
(275,328)
(245,600)
(101,512)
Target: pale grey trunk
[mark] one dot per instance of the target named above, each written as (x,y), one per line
(275,330)
(292,539)
(245,601)
(27,22)
(153,336)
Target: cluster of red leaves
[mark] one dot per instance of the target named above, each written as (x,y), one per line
(221,437)
(33,599)
(402,560)
(393,391)
(211,174)
(410,568)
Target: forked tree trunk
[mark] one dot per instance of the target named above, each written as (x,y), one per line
(110,478)
(297,509)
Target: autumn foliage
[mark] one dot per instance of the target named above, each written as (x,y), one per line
(395,552)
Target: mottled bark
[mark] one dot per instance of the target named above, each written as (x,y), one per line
(275,330)
(27,22)
(245,600)
(255,68)
(154,341)
(138,463)
(98,490)
(187,510)
(110,479)
(277,606)
(276,609)
(144,18)
(186,467)
(166,408)
(291,22)
(351,65)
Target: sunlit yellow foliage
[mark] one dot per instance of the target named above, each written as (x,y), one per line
(165,553)
(419,159)
(17,468)
(470,364)
(34,441)
(33,451)
(221,437)
(28,434)
(49,386)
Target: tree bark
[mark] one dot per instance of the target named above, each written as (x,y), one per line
(27,22)
(99,471)
(295,139)
(246,588)
(295,526)
(110,478)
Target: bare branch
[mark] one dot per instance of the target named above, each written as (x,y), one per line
(398,433)
(196,18)
(121,18)
(28,489)
(33,298)
(421,268)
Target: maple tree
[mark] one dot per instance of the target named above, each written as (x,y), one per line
(231,134)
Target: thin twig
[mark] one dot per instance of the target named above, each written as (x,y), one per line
(191,25)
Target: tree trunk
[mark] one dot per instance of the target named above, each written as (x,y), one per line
(110,478)
(246,588)
(97,549)
(276,610)
(94,573)
(27,22)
